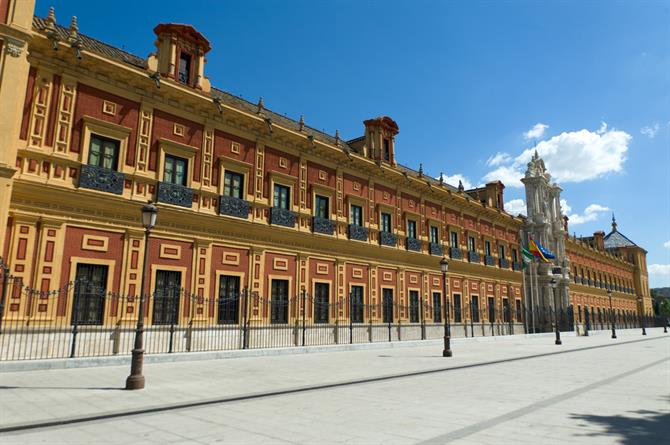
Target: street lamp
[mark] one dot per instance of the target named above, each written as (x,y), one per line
(609,295)
(553,283)
(644,330)
(444,267)
(136,380)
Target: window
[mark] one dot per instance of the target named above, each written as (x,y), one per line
(474,309)
(411,229)
(413,306)
(501,251)
(387,150)
(579,312)
(184,68)
(386,222)
(356,215)
(471,244)
(89,297)
(506,313)
(454,239)
(434,235)
(437,307)
(492,310)
(387,303)
(166,297)
(487,248)
(515,257)
(357,304)
(103,152)
(282,196)
(321,291)
(321,207)
(457,308)
(229,299)
(175,170)
(233,184)
(518,310)
(279,302)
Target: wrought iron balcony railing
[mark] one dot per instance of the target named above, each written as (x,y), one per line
(102,179)
(231,206)
(358,233)
(174,194)
(387,239)
(503,263)
(413,244)
(473,257)
(516,265)
(435,249)
(489,260)
(323,225)
(455,253)
(282,217)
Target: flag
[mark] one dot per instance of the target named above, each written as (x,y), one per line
(536,250)
(526,256)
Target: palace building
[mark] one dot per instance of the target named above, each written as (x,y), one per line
(250,199)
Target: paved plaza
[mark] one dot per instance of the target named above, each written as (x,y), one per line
(514,389)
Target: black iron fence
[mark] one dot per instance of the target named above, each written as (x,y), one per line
(82,320)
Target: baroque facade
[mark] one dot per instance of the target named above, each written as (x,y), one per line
(248,198)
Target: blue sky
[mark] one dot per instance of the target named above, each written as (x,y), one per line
(590,81)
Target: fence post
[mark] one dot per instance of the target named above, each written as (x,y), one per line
(116,337)
(370,330)
(3,295)
(188,335)
(304,313)
(351,319)
(245,342)
(75,320)
(423,322)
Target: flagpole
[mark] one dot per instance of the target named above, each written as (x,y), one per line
(536,293)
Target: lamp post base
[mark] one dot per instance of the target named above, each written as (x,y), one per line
(447,347)
(613,334)
(558,338)
(136,379)
(135,382)
(447,353)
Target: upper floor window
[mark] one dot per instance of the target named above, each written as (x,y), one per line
(453,239)
(175,170)
(434,235)
(472,247)
(501,251)
(386,222)
(411,229)
(514,255)
(487,248)
(387,150)
(233,184)
(185,68)
(103,152)
(282,196)
(356,215)
(321,207)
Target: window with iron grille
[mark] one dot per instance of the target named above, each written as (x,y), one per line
(387,305)
(88,306)
(492,310)
(386,222)
(515,256)
(411,229)
(454,239)
(279,302)
(229,299)
(233,184)
(166,297)
(356,215)
(175,170)
(321,300)
(282,196)
(472,246)
(413,306)
(103,152)
(185,68)
(474,308)
(506,313)
(518,310)
(457,308)
(434,235)
(487,248)
(501,251)
(321,207)
(437,307)
(357,304)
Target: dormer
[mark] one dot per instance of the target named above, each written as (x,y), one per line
(181,55)
(380,139)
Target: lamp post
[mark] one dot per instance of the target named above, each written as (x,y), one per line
(136,380)
(553,283)
(609,295)
(644,330)
(444,267)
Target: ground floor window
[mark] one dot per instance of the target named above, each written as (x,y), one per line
(518,310)
(457,308)
(492,310)
(321,291)
(166,297)
(413,306)
(387,305)
(357,304)
(279,302)
(474,308)
(229,299)
(89,294)
(506,313)
(437,307)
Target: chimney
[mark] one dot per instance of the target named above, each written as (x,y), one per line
(599,239)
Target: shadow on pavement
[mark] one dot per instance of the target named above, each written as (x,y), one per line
(645,427)
(62,387)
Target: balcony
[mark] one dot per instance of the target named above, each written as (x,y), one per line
(323,225)
(387,239)
(583,280)
(358,233)
(455,253)
(503,263)
(231,206)
(413,244)
(516,266)
(102,179)
(473,257)
(590,282)
(435,249)
(282,217)
(174,194)
(489,260)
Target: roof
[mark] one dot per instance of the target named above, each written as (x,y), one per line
(186,31)
(615,239)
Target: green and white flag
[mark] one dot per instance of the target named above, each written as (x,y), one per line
(526,256)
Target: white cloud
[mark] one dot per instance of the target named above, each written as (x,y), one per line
(498,158)
(591,213)
(515,207)
(536,132)
(453,180)
(573,156)
(659,269)
(650,131)
(666,244)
